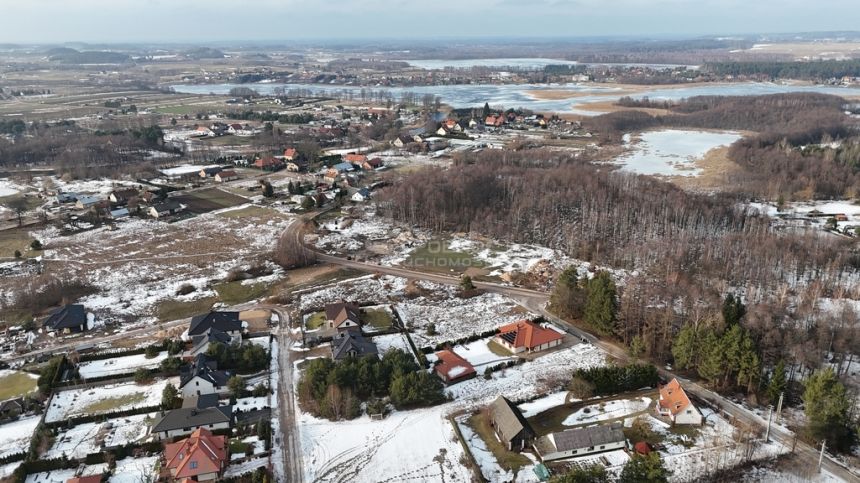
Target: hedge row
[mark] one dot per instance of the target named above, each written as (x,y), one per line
(100,356)
(66,423)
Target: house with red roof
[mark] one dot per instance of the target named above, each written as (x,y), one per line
(356,159)
(269,163)
(452,368)
(290,154)
(676,405)
(495,121)
(527,336)
(199,457)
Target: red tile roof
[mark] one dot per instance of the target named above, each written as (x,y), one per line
(355,158)
(199,454)
(85,479)
(528,334)
(673,397)
(452,366)
(289,153)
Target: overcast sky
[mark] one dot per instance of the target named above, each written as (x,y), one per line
(28,21)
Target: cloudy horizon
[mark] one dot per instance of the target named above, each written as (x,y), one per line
(192,21)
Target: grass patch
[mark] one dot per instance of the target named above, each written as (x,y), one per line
(238,447)
(507,459)
(252,212)
(12,317)
(377,318)
(316,321)
(233,293)
(498,349)
(230,140)
(112,403)
(207,200)
(174,309)
(437,257)
(16,384)
(17,239)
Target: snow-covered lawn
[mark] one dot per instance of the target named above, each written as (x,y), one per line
(478,353)
(135,470)
(673,152)
(15,436)
(603,411)
(243,468)
(104,399)
(87,438)
(542,404)
(258,445)
(119,365)
(246,404)
(387,342)
(417,445)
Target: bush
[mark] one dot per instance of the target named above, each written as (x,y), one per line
(185,289)
(170,366)
(36,245)
(17,253)
(152,351)
(142,376)
(615,379)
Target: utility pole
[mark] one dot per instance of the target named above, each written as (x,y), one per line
(821,456)
(779,407)
(769,417)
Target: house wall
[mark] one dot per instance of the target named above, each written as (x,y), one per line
(198,386)
(504,343)
(185,431)
(689,415)
(556,455)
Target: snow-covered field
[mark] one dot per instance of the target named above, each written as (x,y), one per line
(184,169)
(673,152)
(516,257)
(479,354)
(77,402)
(119,365)
(88,438)
(15,436)
(10,188)
(542,404)
(417,445)
(603,411)
(135,470)
(385,343)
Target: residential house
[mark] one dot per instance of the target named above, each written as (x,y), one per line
(373,163)
(297,165)
(290,154)
(356,159)
(402,141)
(182,421)
(527,336)
(225,176)
(11,408)
(495,120)
(509,424)
(577,442)
(200,343)
(203,131)
(209,172)
(227,322)
(202,376)
(200,457)
(67,197)
(361,195)
(118,213)
(167,208)
(87,201)
(351,344)
(452,368)
(67,319)
(269,163)
(676,405)
(236,128)
(338,169)
(122,197)
(343,316)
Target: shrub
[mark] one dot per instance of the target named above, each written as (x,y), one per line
(142,376)
(185,289)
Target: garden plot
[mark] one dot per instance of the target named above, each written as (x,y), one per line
(490,468)
(15,436)
(105,399)
(88,438)
(135,470)
(119,365)
(385,343)
(145,262)
(418,445)
(604,411)
(257,445)
(16,383)
(246,404)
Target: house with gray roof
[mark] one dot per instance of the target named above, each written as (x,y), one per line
(349,344)
(200,343)
(201,377)
(577,442)
(67,319)
(227,322)
(180,422)
(510,425)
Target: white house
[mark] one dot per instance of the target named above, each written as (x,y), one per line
(676,405)
(202,377)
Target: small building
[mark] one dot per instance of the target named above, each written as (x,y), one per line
(67,319)
(86,201)
(225,176)
(495,121)
(354,158)
(351,344)
(118,213)
(290,154)
(11,408)
(361,195)
(201,377)
(67,197)
(200,457)
(373,163)
(577,442)
(167,208)
(269,163)
(122,197)
(227,322)
(509,424)
(452,368)
(209,172)
(343,316)
(527,336)
(676,405)
(182,421)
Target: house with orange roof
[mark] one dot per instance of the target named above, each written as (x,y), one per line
(452,368)
(86,479)
(495,121)
(527,336)
(290,154)
(676,405)
(199,457)
(356,159)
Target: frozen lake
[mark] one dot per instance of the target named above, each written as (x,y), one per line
(535,63)
(672,152)
(520,95)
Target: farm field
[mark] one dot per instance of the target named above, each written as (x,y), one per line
(210,199)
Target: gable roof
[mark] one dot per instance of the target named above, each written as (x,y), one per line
(348,341)
(201,401)
(452,366)
(223,321)
(508,419)
(124,194)
(202,341)
(228,173)
(193,418)
(355,158)
(290,152)
(198,454)
(591,436)
(526,333)
(169,205)
(67,317)
(205,368)
(673,397)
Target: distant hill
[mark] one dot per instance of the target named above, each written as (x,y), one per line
(204,53)
(65,55)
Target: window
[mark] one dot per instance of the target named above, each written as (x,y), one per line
(193,465)
(591,448)
(603,447)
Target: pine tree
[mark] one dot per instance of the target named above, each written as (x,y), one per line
(733,310)
(601,303)
(568,297)
(749,370)
(827,406)
(644,469)
(487,110)
(711,364)
(730,344)
(685,347)
(777,383)
(170,397)
(637,347)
